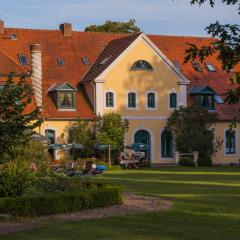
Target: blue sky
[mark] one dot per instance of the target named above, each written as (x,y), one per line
(173,17)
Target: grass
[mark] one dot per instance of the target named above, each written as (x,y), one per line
(206,206)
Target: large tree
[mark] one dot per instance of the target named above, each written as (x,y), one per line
(115,27)
(227,46)
(16,123)
(188,122)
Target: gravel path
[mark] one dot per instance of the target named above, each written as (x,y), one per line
(132,204)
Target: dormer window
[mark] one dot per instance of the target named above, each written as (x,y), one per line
(85,60)
(142,65)
(23,60)
(203,96)
(61,61)
(197,67)
(13,36)
(64,96)
(210,67)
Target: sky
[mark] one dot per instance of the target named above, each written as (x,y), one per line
(171,17)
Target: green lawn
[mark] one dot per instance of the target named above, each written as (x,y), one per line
(206,206)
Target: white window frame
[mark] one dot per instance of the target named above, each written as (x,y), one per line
(114,99)
(156,100)
(132,108)
(236,143)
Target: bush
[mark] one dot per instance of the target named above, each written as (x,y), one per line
(61,202)
(187,162)
(14,179)
(204,161)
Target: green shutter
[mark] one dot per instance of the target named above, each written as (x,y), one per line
(173,100)
(151,100)
(132,100)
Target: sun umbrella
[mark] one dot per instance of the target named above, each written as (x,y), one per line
(40,138)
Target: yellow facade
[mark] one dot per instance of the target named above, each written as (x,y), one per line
(162,80)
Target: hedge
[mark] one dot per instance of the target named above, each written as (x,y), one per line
(60,202)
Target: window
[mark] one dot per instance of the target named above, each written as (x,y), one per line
(61,61)
(173,100)
(131,100)
(85,60)
(151,100)
(23,60)
(66,100)
(206,100)
(166,144)
(210,67)
(13,36)
(109,99)
(218,99)
(105,60)
(141,65)
(230,142)
(196,66)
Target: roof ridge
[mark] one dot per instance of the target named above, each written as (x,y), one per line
(15,62)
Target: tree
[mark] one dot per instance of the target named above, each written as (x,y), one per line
(188,122)
(16,124)
(227,46)
(115,27)
(111,130)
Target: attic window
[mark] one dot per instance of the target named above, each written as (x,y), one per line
(177,65)
(85,60)
(197,67)
(60,61)
(218,99)
(210,67)
(23,60)
(13,36)
(105,60)
(141,65)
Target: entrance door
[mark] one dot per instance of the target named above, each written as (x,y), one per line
(143,136)
(50,134)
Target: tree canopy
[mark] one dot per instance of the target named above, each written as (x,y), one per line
(115,27)
(227,46)
(16,125)
(188,122)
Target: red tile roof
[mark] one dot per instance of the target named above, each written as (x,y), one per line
(174,48)
(97,46)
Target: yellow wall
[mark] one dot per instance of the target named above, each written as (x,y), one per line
(220,157)
(59,126)
(121,79)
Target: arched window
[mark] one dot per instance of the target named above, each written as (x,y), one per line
(166,144)
(142,65)
(109,99)
(173,100)
(131,100)
(151,100)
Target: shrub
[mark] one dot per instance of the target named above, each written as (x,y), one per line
(14,179)
(187,162)
(61,202)
(204,161)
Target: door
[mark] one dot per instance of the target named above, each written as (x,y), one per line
(143,136)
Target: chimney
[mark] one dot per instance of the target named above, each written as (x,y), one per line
(1,26)
(36,59)
(66,29)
